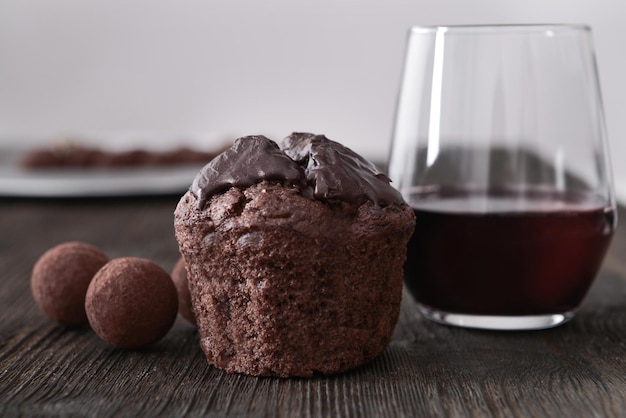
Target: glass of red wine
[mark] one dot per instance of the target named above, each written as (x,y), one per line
(500,147)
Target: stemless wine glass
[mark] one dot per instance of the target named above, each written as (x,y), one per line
(499,146)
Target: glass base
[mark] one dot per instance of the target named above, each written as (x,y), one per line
(495,322)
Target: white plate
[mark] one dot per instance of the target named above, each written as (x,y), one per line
(18,182)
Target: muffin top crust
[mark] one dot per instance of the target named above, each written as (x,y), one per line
(319,168)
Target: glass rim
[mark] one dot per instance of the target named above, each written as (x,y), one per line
(501,27)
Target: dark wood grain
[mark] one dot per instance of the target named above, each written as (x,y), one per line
(578,369)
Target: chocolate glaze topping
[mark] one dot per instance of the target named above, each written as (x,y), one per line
(250,160)
(337,172)
(320,168)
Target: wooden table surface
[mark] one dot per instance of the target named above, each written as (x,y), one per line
(578,369)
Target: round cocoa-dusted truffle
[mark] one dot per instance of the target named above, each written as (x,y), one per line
(60,279)
(294,257)
(131,303)
(179,276)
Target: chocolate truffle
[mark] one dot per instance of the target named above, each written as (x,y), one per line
(131,303)
(294,256)
(179,277)
(60,279)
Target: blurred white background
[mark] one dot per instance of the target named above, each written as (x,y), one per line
(221,69)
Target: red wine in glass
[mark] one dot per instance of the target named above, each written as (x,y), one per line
(506,253)
(499,145)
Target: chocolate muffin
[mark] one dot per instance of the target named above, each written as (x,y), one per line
(294,257)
